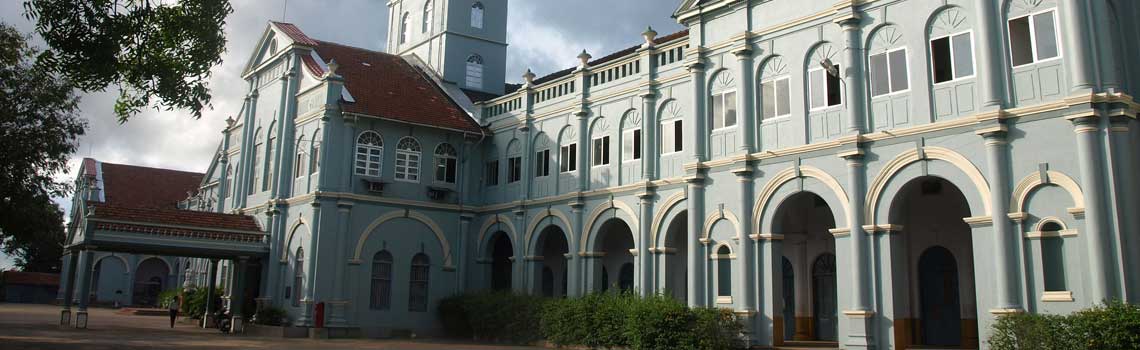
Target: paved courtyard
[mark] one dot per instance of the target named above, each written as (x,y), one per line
(35,327)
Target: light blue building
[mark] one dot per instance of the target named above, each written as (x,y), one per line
(853,174)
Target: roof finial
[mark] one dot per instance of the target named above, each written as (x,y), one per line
(528,77)
(584,58)
(650,35)
(333,66)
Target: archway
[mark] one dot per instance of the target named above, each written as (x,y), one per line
(552,247)
(501,253)
(109,282)
(803,220)
(150,280)
(676,257)
(938,246)
(614,243)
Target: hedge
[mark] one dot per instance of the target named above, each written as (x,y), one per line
(193,302)
(1113,326)
(597,320)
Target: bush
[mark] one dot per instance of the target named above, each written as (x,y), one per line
(193,301)
(271,316)
(596,321)
(1114,326)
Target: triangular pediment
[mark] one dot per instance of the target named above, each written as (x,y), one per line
(275,39)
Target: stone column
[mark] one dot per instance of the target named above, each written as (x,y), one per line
(649,135)
(273,264)
(337,315)
(745,99)
(1107,40)
(696,264)
(852,71)
(1127,202)
(461,266)
(698,139)
(771,283)
(998,174)
(1078,45)
(249,128)
(67,282)
(574,264)
(644,257)
(990,55)
(861,328)
(746,277)
(237,296)
(1090,158)
(84,291)
(211,278)
(313,251)
(583,147)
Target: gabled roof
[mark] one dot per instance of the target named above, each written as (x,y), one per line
(294,33)
(142,187)
(387,86)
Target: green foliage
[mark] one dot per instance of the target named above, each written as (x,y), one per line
(596,321)
(39,126)
(271,316)
(1113,326)
(193,300)
(156,52)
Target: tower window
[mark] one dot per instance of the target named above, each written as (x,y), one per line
(428,12)
(475,71)
(477,15)
(404,28)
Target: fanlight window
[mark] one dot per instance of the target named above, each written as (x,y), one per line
(475,71)
(446,163)
(408,160)
(369,154)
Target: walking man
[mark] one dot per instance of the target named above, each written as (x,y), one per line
(175,305)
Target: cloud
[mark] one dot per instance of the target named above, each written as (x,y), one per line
(544,36)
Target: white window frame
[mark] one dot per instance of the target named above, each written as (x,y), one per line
(1033,37)
(721,95)
(477,21)
(635,138)
(404,18)
(568,158)
(429,12)
(890,73)
(671,126)
(542,163)
(441,159)
(408,172)
(473,72)
(367,155)
(954,61)
(774,81)
(511,161)
(811,88)
(604,151)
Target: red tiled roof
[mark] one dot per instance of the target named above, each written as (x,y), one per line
(295,33)
(190,220)
(143,187)
(612,56)
(30,278)
(387,86)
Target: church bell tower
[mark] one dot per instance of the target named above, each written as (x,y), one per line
(465,41)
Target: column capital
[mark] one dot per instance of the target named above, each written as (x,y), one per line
(697,65)
(993,133)
(743,52)
(582,113)
(848,20)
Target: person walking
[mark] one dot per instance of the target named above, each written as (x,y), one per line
(175,305)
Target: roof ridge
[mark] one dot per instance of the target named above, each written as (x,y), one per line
(354,47)
(151,167)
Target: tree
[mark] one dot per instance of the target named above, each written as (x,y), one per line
(39,125)
(158,52)
(36,238)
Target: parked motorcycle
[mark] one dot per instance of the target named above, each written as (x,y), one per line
(223,320)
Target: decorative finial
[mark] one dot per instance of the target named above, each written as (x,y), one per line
(529,77)
(584,57)
(230,121)
(333,66)
(649,36)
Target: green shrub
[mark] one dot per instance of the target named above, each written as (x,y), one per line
(660,322)
(1114,326)
(494,317)
(271,316)
(715,329)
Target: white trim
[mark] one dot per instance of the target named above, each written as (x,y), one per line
(635,135)
(721,94)
(890,72)
(953,62)
(724,299)
(1057,296)
(1033,37)
(760,95)
(811,88)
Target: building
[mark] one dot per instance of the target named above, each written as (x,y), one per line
(856,174)
(28,287)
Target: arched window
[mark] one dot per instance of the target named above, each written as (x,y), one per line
(775,89)
(315,156)
(272,48)
(887,62)
(298,275)
(408,160)
(723,101)
(300,164)
(255,180)
(477,15)
(404,27)
(475,71)
(230,180)
(369,154)
(381,295)
(724,274)
(270,148)
(428,12)
(446,163)
(418,288)
(1053,257)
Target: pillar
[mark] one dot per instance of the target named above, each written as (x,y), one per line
(770,326)
(246,166)
(583,150)
(698,121)
(852,71)
(237,295)
(746,277)
(337,312)
(696,263)
(1127,202)
(644,257)
(1089,156)
(67,282)
(860,330)
(746,100)
(211,284)
(84,271)
(649,126)
(998,174)
(574,264)
(1078,48)
(990,55)
(1107,40)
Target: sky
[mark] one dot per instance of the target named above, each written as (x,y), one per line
(543,35)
